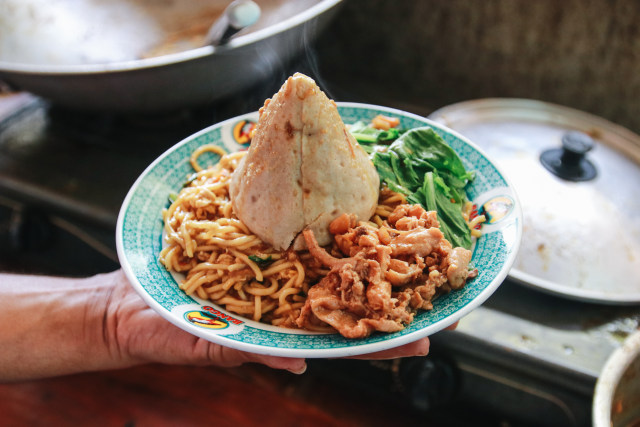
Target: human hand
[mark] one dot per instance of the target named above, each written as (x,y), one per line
(98,323)
(137,334)
(416,348)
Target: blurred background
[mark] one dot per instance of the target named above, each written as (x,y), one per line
(434,53)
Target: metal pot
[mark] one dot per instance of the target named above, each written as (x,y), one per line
(616,401)
(100,54)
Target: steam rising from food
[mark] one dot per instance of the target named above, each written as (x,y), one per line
(303,169)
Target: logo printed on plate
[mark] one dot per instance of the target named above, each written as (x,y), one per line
(210,318)
(496,208)
(242,131)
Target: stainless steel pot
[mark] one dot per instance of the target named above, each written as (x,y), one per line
(616,401)
(101,54)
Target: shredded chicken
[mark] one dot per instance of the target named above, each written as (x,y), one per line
(386,274)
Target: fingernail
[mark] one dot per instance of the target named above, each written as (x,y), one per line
(299,371)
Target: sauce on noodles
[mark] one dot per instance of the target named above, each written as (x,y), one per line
(225,263)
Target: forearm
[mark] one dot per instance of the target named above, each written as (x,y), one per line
(52,326)
(57,326)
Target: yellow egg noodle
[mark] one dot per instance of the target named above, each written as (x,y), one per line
(225,263)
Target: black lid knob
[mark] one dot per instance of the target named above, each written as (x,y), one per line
(569,162)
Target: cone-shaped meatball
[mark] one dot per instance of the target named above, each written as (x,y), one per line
(303,169)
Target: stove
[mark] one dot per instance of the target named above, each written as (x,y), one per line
(65,173)
(523,358)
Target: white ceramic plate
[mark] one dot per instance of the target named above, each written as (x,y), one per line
(139,241)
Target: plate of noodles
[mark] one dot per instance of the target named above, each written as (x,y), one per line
(243,293)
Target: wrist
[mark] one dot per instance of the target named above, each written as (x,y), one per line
(52,326)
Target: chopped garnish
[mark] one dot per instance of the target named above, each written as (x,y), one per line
(384,122)
(190,180)
(261,261)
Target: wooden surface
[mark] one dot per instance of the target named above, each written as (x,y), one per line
(156,395)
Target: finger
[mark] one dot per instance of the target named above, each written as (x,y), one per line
(295,365)
(231,357)
(452,327)
(416,348)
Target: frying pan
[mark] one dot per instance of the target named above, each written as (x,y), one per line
(146,55)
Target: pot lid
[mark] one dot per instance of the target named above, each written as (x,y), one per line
(578,180)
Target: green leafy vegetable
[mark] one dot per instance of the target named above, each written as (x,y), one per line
(371,138)
(262,262)
(422,166)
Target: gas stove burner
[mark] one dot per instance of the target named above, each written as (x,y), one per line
(115,129)
(98,121)
(147,135)
(170,119)
(156,130)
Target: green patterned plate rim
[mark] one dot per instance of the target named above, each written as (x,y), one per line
(139,241)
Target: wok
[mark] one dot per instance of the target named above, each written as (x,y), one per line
(145,55)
